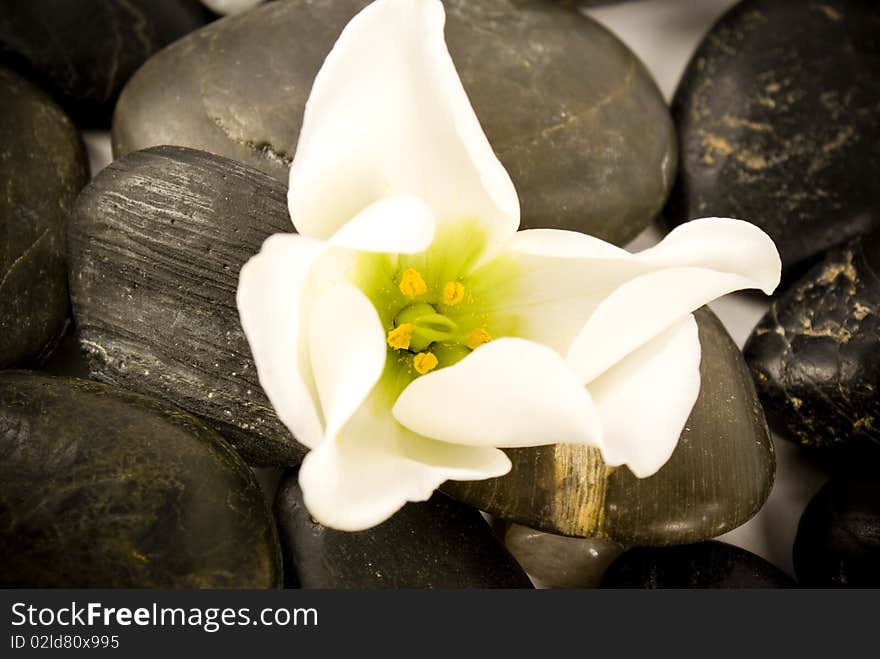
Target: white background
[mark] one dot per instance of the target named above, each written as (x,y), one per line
(664,34)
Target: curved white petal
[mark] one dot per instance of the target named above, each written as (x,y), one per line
(347,350)
(227,7)
(721,244)
(271,300)
(376,466)
(388,115)
(641,309)
(560,243)
(645,400)
(401,224)
(508,393)
(562,290)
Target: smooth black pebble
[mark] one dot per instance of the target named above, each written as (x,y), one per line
(838,538)
(42,168)
(709,564)
(101,488)
(436,544)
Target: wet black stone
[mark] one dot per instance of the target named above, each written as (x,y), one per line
(838,538)
(104,488)
(815,356)
(42,168)
(85,51)
(157,240)
(702,565)
(571,112)
(778,115)
(436,544)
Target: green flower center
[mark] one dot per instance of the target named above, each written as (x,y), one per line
(436,306)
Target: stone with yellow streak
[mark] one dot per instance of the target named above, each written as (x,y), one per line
(778,122)
(815,357)
(718,477)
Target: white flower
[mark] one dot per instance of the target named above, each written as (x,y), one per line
(409,330)
(226,7)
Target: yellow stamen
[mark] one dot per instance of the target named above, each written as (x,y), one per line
(411,283)
(424,362)
(399,338)
(477,338)
(453,293)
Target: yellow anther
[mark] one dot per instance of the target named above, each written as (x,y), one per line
(476,338)
(411,283)
(399,338)
(453,293)
(424,362)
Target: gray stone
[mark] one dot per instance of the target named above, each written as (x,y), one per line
(101,488)
(718,477)
(436,544)
(570,111)
(156,243)
(42,168)
(558,561)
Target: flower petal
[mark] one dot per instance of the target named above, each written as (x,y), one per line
(388,115)
(560,243)
(646,398)
(347,350)
(270,297)
(376,466)
(401,224)
(564,281)
(721,244)
(641,309)
(507,393)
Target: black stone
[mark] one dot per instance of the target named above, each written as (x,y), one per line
(436,544)
(42,168)
(571,112)
(815,356)
(838,538)
(105,488)
(778,115)
(85,51)
(156,243)
(702,565)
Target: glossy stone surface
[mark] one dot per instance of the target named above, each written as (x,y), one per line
(104,488)
(701,565)
(718,477)
(85,51)
(156,243)
(570,111)
(436,544)
(778,115)
(558,561)
(838,538)
(815,356)
(42,168)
